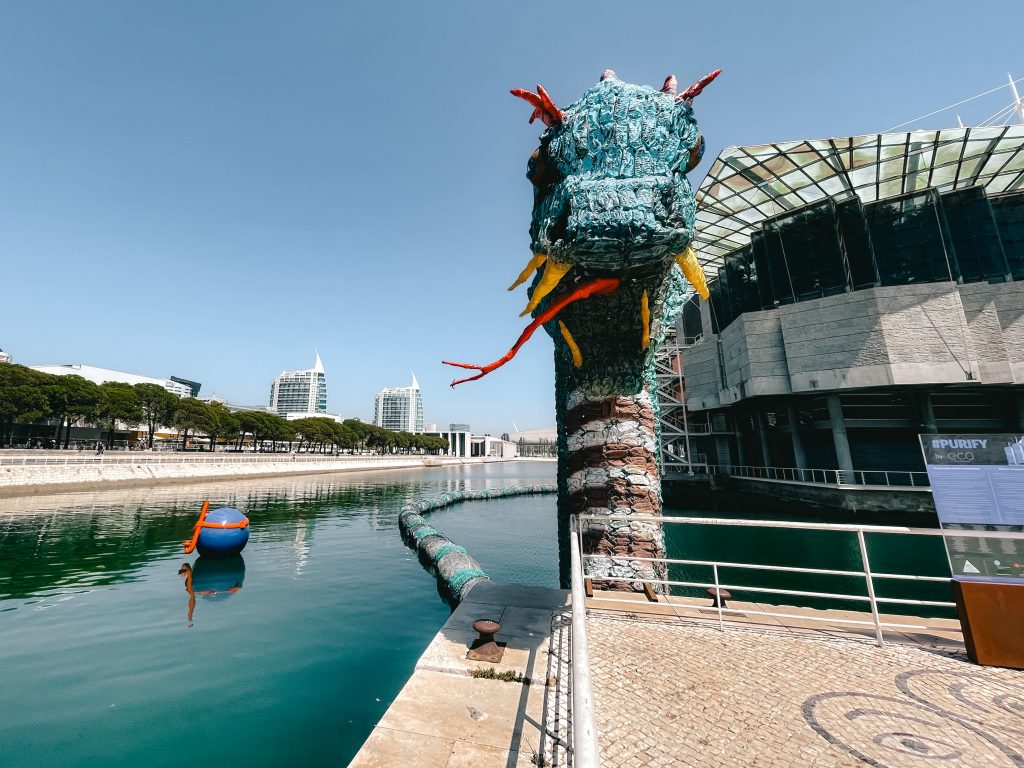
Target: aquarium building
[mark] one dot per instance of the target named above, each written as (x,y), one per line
(863,290)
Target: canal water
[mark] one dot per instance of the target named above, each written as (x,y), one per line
(289,654)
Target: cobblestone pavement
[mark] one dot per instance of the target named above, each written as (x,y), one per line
(673,693)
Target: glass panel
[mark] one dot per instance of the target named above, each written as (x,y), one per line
(854,232)
(972,229)
(813,255)
(1008,211)
(908,239)
(778,271)
(742,280)
(760,260)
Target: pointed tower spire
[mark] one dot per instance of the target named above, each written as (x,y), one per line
(319,367)
(415,384)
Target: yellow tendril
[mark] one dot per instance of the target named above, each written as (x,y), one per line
(553,272)
(645,321)
(532,267)
(687,261)
(577,356)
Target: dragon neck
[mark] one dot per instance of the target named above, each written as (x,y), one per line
(609,465)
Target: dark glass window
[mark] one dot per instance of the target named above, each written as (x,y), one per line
(854,231)
(909,240)
(972,228)
(719,317)
(1008,211)
(742,280)
(810,246)
(778,269)
(759,253)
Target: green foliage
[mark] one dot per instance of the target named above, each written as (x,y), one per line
(22,397)
(508,676)
(192,415)
(71,398)
(118,402)
(157,406)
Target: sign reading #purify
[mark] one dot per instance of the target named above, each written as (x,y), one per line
(978,485)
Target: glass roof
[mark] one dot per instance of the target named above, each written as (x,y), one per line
(747,185)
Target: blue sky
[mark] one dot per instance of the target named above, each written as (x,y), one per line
(212,189)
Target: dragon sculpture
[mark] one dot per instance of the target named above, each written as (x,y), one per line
(613,219)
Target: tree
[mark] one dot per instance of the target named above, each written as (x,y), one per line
(22,398)
(118,402)
(157,406)
(71,398)
(222,423)
(192,415)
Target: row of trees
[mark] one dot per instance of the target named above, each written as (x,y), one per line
(29,397)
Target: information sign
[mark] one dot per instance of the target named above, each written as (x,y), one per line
(978,485)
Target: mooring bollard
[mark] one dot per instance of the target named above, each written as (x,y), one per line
(486,648)
(715,592)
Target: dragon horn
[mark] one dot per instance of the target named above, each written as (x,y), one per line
(543,106)
(670,85)
(694,90)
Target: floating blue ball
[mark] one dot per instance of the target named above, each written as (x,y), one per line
(216,541)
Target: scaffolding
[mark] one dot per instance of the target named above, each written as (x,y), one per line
(678,427)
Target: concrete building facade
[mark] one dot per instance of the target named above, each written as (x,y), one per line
(874,293)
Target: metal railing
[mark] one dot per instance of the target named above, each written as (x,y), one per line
(871,598)
(199,458)
(838,477)
(584,732)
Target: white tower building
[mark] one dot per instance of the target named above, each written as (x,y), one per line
(399,408)
(300,391)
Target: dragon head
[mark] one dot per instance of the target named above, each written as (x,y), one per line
(612,210)
(609,175)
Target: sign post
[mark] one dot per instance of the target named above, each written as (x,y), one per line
(978,485)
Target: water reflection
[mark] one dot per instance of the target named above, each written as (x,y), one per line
(101,538)
(212,579)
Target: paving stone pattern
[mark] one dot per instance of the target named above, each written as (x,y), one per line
(672,693)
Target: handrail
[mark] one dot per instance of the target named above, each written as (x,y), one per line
(898,478)
(586,753)
(876,622)
(185,457)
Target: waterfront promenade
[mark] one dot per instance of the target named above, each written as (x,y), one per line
(673,688)
(30,472)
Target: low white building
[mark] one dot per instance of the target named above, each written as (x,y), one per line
(101,375)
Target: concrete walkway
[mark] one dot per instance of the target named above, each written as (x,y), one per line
(445,718)
(672,689)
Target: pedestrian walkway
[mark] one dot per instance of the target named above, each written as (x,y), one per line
(445,717)
(673,689)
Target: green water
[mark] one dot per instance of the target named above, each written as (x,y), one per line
(100,666)
(828,550)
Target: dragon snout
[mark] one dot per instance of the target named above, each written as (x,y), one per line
(613,216)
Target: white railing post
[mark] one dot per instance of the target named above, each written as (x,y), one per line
(584,732)
(871,585)
(718,599)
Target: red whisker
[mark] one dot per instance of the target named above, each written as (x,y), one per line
(602,286)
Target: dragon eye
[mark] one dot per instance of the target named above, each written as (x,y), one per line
(695,154)
(538,169)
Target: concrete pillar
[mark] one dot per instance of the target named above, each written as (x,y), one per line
(762,432)
(794,432)
(928,426)
(835,412)
(741,453)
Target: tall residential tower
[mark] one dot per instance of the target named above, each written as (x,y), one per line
(400,408)
(300,391)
